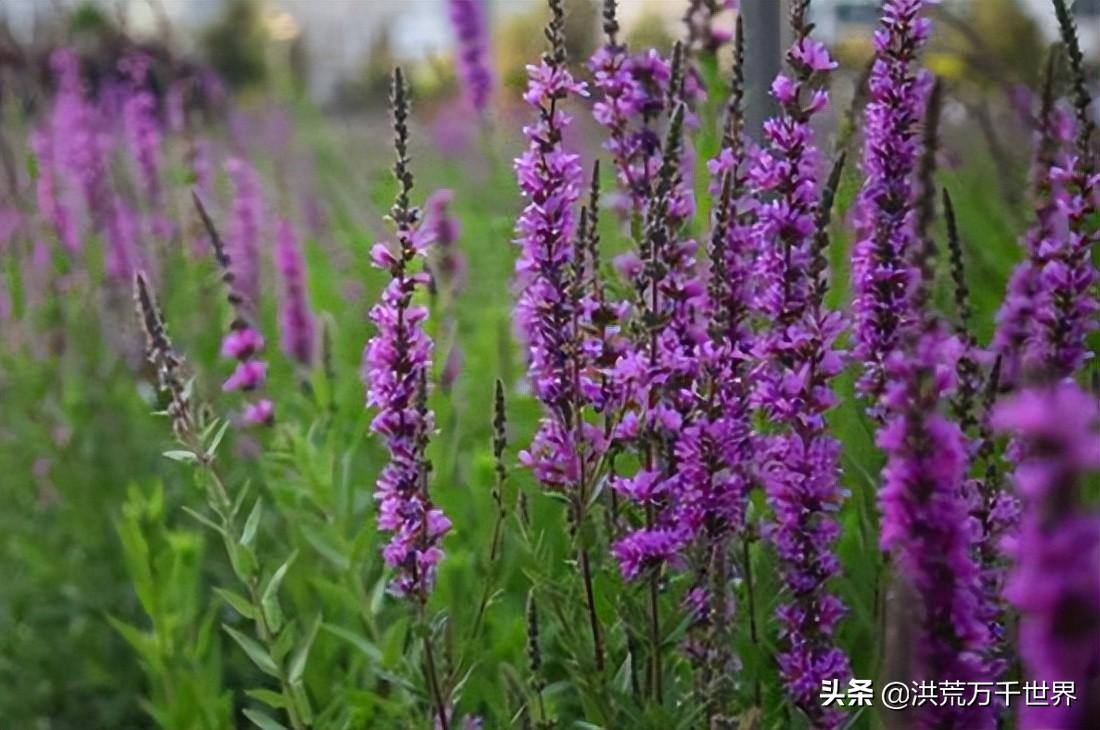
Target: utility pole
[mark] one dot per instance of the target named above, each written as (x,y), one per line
(763,57)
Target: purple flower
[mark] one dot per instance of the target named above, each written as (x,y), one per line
(926,523)
(883,271)
(296,319)
(445,229)
(81,142)
(396,368)
(242,344)
(244,232)
(248,376)
(143,131)
(260,413)
(1057,550)
(123,230)
(550,177)
(51,203)
(645,549)
(471,27)
(632,94)
(797,359)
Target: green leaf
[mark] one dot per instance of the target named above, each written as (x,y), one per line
(263,720)
(255,652)
(252,524)
(269,599)
(301,654)
(217,440)
(183,456)
(368,649)
(205,520)
(268,697)
(239,603)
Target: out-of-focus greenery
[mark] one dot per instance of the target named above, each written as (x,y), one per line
(236,44)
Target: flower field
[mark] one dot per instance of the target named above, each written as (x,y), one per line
(568,398)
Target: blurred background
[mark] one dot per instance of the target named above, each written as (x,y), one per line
(340,51)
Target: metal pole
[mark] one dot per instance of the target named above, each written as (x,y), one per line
(763,54)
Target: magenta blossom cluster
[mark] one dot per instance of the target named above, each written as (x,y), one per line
(551,179)
(295,318)
(245,345)
(245,229)
(883,271)
(796,360)
(1054,582)
(396,369)
(471,27)
(926,523)
(1014,338)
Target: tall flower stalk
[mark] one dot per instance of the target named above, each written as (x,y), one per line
(1057,549)
(298,335)
(244,343)
(396,370)
(888,241)
(199,442)
(797,360)
(716,449)
(566,448)
(926,522)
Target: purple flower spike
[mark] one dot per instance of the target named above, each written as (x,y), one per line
(123,232)
(797,360)
(80,140)
(883,271)
(468,18)
(396,369)
(926,523)
(244,233)
(296,319)
(51,203)
(142,127)
(1054,581)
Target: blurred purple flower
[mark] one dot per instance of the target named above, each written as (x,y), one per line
(295,318)
(1055,582)
(471,26)
(245,230)
(926,523)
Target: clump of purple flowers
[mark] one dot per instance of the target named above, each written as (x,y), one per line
(1054,581)
(396,366)
(882,264)
(468,18)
